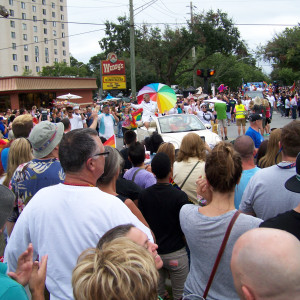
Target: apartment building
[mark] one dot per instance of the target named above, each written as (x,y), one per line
(34,35)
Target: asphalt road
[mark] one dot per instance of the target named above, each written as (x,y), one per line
(277,122)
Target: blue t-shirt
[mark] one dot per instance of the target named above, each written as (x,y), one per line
(4,158)
(240,188)
(34,175)
(255,136)
(2,129)
(10,289)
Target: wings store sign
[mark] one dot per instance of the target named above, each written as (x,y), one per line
(113,66)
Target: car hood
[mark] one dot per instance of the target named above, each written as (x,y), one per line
(175,138)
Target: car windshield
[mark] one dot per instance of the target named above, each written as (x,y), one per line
(180,123)
(254,94)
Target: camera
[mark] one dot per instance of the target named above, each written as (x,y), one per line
(44,115)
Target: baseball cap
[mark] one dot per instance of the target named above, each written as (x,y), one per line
(293,184)
(255,117)
(7,199)
(44,137)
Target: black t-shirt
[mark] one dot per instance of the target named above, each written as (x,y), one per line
(128,188)
(288,221)
(160,205)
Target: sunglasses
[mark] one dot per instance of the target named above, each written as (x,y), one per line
(105,154)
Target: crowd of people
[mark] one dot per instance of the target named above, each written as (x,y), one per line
(83,220)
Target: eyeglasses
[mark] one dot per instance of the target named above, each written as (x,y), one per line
(105,154)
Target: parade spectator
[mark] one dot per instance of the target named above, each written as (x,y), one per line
(129,138)
(204,227)
(42,171)
(265,195)
(152,144)
(271,99)
(232,104)
(262,150)
(138,173)
(134,234)
(106,122)
(253,131)
(265,265)
(107,181)
(288,221)
(220,108)
(120,270)
(160,204)
(287,107)
(240,115)
(65,219)
(244,146)
(126,118)
(271,157)
(67,124)
(189,164)
(28,272)
(293,105)
(149,109)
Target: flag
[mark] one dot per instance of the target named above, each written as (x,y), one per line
(174,184)
(293,87)
(265,84)
(136,116)
(111,142)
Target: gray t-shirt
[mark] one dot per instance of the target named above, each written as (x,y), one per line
(266,195)
(204,236)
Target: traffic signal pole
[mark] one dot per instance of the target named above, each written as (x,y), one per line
(209,73)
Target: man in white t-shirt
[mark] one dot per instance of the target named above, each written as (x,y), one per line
(65,219)
(272,102)
(76,120)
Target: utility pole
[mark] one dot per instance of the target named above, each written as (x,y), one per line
(132,53)
(193,49)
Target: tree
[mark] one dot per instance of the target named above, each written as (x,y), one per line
(168,51)
(62,69)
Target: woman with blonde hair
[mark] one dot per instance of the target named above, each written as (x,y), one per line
(20,152)
(189,164)
(271,157)
(205,227)
(121,270)
(169,149)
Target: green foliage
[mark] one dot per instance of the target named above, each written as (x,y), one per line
(285,76)
(27,72)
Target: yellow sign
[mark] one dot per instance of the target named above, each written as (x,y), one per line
(113,82)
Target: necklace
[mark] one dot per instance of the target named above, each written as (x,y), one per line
(87,184)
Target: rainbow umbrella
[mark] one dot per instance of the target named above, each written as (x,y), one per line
(161,93)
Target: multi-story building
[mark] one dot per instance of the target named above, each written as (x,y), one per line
(34,35)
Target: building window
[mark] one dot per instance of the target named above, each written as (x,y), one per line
(25,37)
(24,26)
(63,34)
(64,60)
(44,21)
(53,14)
(47,59)
(26,57)
(45,30)
(62,26)
(33,8)
(44,2)
(64,44)
(54,32)
(62,17)
(36,50)
(35,38)
(26,68)
(44,11)
(64,52)
(55,51)
(12,24)
(54,24)
(15,68)
(34,18)
(55,42)
(61,8)
(53,5)
(23,16)
(37,59)
(25,47)
(45,40)
(56,60)
(23,5)
(46,52)
(37,69)
(13,35)
(11,13)
(14,56)
(35,28)
(14,46)
(11,2)
(61,0)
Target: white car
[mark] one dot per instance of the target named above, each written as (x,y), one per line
(173,128)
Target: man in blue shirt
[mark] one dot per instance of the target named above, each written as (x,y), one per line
(253,130)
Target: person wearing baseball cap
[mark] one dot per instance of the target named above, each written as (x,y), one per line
(290,220)
(44,170)
(253,131)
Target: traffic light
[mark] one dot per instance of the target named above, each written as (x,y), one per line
(200,72)
(211,72)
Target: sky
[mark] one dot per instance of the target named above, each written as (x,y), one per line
(84,38)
